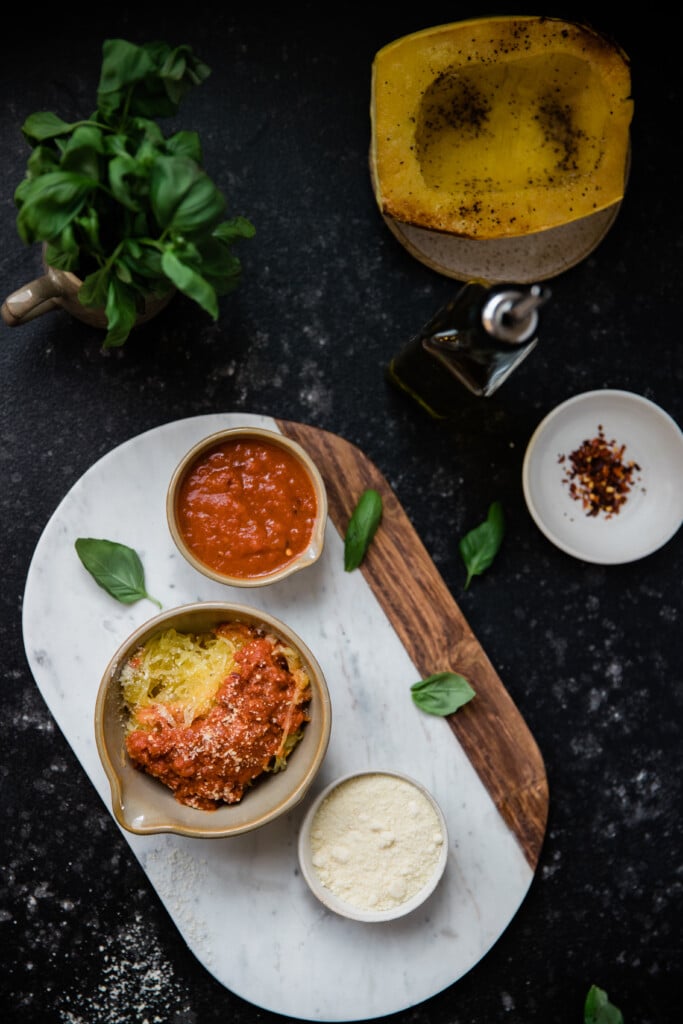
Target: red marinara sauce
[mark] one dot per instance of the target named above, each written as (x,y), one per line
(246,508)
(219,755)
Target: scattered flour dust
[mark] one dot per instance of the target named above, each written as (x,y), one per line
(137,984)
(177,877)
(375,841)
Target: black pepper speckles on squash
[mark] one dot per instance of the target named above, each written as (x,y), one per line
(499,127)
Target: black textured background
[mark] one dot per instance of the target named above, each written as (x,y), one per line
(591,655)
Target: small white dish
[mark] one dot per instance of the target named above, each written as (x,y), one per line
(653,510)
(373,845)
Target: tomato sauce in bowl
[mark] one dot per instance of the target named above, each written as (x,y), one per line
(247,507)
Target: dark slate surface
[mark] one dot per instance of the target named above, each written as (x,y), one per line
(590,654)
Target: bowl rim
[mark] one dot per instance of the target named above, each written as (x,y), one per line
(335,903)
(642,526)
(198,823)
(316,544)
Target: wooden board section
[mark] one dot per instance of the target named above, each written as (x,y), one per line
(436,636)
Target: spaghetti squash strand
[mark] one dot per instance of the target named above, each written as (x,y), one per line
(211,712)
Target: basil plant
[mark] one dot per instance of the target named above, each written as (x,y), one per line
(128,210)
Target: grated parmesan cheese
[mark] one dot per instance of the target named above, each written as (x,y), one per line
(376,841)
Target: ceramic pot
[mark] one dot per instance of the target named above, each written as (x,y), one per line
(58,289)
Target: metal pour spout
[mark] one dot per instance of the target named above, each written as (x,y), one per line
(512,316)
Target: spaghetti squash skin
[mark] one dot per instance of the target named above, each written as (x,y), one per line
(499,127)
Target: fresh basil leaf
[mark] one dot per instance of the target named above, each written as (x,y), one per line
(185,144)
(121,312)
(190,283)
(112,192)
(125,175)
(123,65)
(115,567)
(88,225)
(146,262)
(93,291)
(231,230)
(157,93)
(442,693)
(63,252)
(44,125)
(219,265)
(171,178)
(181,70)
(183,197)
(51,203)
(148,134)
(82,152)
(362,528)
(123,271)
(116,143)
(43,160)
(480,546)
(200,209)
(599,1010)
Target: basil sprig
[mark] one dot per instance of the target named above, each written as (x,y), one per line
(130,211)
(362,528)
(442,693)
(115,567)
(480,546)
(599,1010)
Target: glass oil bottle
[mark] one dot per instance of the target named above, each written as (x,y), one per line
(477,339)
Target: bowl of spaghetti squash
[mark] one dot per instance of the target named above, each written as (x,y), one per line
(211,720)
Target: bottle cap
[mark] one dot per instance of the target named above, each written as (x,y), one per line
(512,315)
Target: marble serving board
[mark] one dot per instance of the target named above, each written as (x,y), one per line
(241,904)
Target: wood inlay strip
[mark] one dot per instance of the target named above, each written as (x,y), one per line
(436,636)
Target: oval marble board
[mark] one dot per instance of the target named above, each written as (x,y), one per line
(241,904)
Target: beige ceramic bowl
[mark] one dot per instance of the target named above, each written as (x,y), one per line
(290,449)
(373,845)
(142,804)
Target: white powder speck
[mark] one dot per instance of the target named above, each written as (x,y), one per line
(507,1001)
(177,876)
(136,984)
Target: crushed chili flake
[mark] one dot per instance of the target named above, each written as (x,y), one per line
(598,476)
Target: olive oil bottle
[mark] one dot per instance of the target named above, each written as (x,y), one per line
(476,340)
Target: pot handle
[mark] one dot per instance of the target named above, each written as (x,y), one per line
(31,300)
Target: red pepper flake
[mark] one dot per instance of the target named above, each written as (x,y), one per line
(598,476)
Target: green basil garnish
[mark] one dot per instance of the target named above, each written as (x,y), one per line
(442,693)
(115,567)
(361,529)
(480,546)
(599,1010)
(122,204)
